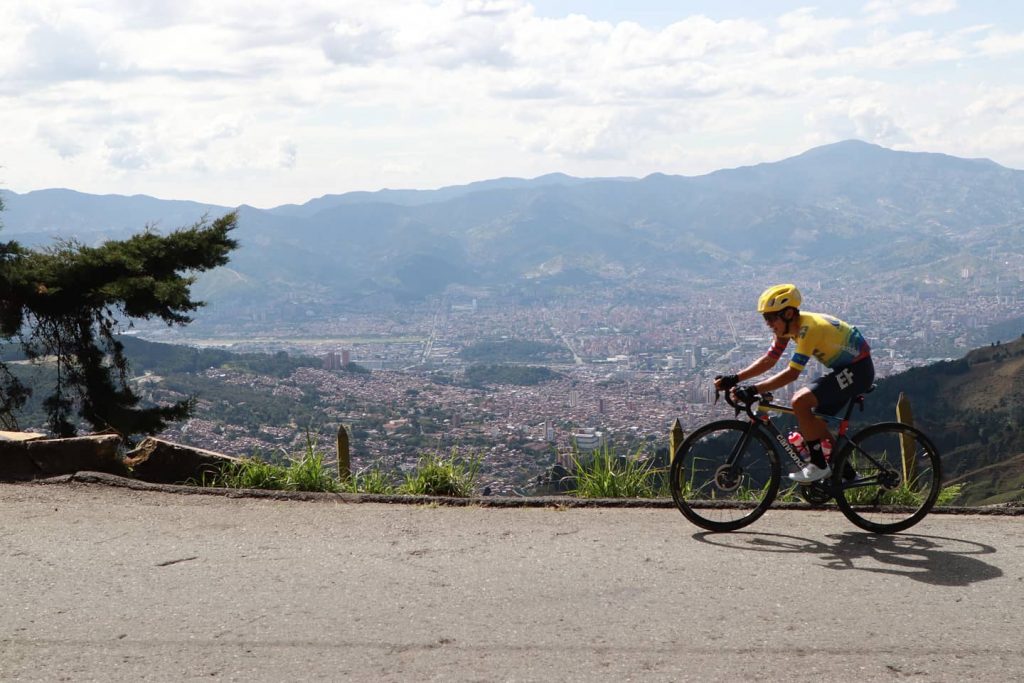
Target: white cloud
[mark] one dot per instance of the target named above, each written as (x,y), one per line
(356,42)
(862,118)
(802,32)
(889,11)
(694,38)
(63,51)
(584,135)
(288,153)
(893,51)
(530,87)
(202,93)
(126,151)
(491,7)
(997,101)
(60,139)
(1000,44)
(216,132)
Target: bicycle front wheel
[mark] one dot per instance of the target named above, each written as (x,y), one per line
(893,479)
(724,475)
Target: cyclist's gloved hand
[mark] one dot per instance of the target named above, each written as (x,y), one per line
(747,394)
(726,382)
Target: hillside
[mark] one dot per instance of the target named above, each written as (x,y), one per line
(974,410)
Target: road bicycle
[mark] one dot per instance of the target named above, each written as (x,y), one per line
(885,477)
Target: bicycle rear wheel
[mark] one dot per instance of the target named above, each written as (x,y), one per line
(724,475)
(898,477)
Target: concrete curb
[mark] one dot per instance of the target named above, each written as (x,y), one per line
(561,502)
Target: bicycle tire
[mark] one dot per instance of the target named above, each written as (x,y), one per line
(902,492)
(709,492)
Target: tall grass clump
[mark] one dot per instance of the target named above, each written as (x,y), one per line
(305,473)
(436,475)
(948,494)
(248,473)
(371,479)
(608,476)
(308,473)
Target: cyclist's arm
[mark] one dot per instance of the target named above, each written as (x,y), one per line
(757,368)
(804,348)
(777,380)
(765,362)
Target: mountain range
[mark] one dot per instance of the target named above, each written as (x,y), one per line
(883,213)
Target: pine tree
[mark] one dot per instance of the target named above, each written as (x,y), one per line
(70,301)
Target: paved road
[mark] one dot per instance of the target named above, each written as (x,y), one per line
(102,583)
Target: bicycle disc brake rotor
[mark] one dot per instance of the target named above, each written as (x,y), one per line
(727,478)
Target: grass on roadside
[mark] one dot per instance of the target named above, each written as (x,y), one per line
(306,473)
(436,475)
(370,479)
(609,476)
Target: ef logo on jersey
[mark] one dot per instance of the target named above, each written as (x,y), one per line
(845,378)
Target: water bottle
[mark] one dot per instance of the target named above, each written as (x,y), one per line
(796,440)
(826,449)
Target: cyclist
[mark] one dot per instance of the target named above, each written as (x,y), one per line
(837,345)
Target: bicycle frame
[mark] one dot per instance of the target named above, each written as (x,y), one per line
(763,419)
(763,422)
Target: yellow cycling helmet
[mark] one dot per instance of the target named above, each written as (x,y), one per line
(776,298)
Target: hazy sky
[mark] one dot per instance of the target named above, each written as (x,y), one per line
(266,103)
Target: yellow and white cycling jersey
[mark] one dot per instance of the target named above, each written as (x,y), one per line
(833,342)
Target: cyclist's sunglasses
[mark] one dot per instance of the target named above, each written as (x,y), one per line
(771,317)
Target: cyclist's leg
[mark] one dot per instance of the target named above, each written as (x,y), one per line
(804,402)
(814,430)
(834,390)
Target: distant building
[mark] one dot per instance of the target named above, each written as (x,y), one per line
(588,440)
(346,358)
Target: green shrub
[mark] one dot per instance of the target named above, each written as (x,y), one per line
(438,476)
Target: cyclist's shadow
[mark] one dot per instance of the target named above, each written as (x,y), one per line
(930,559)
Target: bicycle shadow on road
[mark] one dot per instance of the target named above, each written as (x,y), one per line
(934,560)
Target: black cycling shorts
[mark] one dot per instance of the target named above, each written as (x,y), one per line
(835,389)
